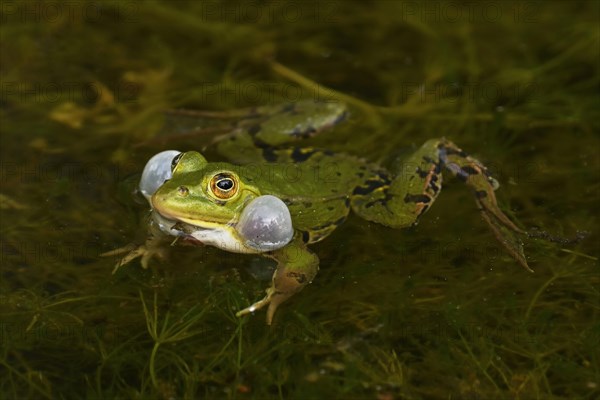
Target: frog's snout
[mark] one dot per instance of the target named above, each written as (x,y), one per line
(157,202)
(165,201)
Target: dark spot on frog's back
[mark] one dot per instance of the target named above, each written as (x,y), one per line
(370,186)
(301,154)
(306,133)
(384,177)
(421,173)
(269,154)
(417,198)
(433,185)
(438,167)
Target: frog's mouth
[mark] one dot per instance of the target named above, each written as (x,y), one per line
(197,223)
(221,235)
(202,224)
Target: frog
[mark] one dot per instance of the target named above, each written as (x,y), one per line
(274,198)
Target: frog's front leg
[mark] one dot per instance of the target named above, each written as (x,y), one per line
(155,245)
(296,268)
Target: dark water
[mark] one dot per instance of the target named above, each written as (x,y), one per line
(438,311)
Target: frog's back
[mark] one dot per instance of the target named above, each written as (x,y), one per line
(316,186)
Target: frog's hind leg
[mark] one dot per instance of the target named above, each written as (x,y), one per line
(400,201)
(475,174)
(266,138)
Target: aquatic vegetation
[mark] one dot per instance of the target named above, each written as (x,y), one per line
(439,312)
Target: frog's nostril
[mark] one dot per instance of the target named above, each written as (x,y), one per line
(183,191)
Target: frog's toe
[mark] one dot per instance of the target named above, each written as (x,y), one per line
(258,305)
(134,251)
(273,299)
(130,249)
(119,251)
(248,310)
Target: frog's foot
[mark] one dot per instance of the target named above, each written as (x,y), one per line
(297,266)
(476,175)
(134,251)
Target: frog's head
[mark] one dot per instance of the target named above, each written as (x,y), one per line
(224,209)
(202,194)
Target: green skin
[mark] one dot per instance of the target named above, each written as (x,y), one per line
(319,188)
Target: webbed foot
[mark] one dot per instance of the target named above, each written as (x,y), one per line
(476,175)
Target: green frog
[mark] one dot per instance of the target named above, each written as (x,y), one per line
(275,199)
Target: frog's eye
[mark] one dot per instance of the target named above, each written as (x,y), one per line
(175,161)
(224,185)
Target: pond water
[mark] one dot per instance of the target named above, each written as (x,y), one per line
(436,311)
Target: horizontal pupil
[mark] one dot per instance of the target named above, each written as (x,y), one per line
(225,184)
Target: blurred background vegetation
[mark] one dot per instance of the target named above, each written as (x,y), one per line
(438,311)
